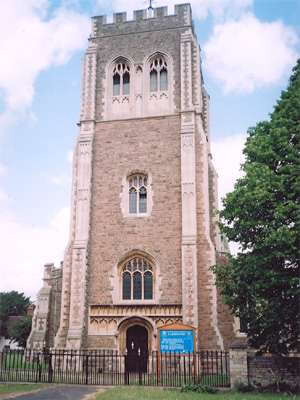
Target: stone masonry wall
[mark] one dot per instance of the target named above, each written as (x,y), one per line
(153,146)
(267,370)
(207,335)
(53,321)
(137,41)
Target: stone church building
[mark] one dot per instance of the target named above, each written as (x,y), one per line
(144,195)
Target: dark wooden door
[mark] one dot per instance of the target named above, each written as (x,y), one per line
(137,349)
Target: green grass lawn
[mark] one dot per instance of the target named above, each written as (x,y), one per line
(149,393)
(7,389)
(146,393)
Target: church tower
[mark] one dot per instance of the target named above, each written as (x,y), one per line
(143,232)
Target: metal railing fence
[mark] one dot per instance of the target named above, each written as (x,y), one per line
(107,367)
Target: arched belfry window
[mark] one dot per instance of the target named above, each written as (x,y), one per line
(137,279)
(137,192)
(121,78)
(158,74)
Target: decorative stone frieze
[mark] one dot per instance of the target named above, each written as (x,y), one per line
(104,320)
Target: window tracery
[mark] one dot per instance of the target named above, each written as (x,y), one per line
(158,75)
(137,280)
(137,189)
(121,79)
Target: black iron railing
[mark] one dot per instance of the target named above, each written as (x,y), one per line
(107,367)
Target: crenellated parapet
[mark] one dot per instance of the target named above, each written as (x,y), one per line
(142,22)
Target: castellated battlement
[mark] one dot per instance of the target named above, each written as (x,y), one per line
(142,22)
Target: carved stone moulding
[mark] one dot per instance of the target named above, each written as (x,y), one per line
(104,320)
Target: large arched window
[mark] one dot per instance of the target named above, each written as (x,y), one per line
(137,191)
(121,78)
(137,279)
(158,74)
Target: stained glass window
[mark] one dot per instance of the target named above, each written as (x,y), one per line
(137,286)
(137,194)
(163,80)
(137,277)
(116,85)
(132,201)
(121,79)
(153,81)
(140,265)
(126,83)
(158,75)
(143,200)
(148,283)
(126,286)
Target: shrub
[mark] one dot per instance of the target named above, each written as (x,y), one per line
(198,388)
(244,387)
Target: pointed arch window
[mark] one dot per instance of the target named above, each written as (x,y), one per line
(137,190)
(121,79)
(137,279)
(158,75)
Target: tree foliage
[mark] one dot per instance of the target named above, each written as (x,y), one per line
(261,284)
(12,304)
(20,330)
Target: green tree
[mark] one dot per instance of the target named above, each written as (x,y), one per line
(12,303)
(20,330)
(261,284)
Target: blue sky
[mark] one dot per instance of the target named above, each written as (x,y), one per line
(249,48)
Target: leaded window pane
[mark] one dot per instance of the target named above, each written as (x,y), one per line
(126,286)
(148,286)
(116,85)
(126,83)
(132,201)
(140,265)
(137,194)
(143,200)
(134,265)
(163,80)
(153,81)
(137,286)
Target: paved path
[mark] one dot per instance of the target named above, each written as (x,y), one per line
(61,392)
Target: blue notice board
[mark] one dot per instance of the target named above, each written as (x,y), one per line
(176,340)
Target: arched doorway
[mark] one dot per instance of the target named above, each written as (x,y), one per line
(137,349)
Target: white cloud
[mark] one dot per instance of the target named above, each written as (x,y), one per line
(227,158)
(3,169)
(4,197)
(61,220)
(247,54)
(31,44)
(219,9)
(69,156)
(25,250)
(64,179)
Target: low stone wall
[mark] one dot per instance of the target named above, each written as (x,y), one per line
(267,370)
(246,368)
(238,364)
